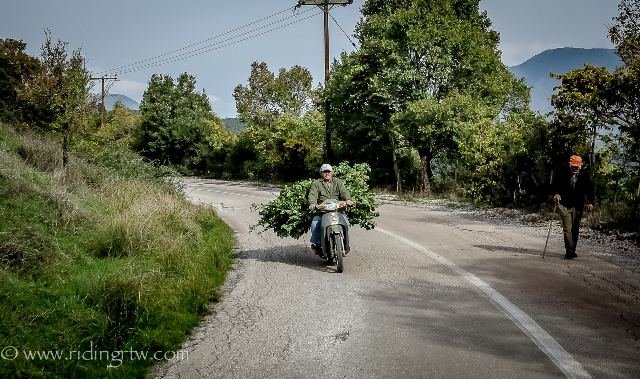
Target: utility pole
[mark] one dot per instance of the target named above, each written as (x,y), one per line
(102,108)
(326,5)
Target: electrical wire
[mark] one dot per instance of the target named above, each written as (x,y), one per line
(138,63)
(345,33)
(106,91)
(209,48)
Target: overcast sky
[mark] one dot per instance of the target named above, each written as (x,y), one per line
(119,32)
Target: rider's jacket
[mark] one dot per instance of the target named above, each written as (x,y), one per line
(321,191)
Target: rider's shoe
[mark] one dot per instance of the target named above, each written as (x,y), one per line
(317,249)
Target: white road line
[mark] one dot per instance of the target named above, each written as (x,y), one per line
(558,355)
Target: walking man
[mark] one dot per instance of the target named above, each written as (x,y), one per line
(572,188)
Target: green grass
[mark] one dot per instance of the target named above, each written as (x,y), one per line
(97,260)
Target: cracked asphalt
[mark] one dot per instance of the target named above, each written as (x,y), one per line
(396,312)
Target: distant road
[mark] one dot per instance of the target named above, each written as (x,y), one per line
(430,293)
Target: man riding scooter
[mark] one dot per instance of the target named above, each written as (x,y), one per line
(325,188)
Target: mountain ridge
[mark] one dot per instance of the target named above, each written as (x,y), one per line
(111,100)
(536,70)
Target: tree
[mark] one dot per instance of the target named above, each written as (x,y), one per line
(626,111)
(267,96)
(360,110)
(595,104)
(429,126)
(582,105)
(414,55)
(625,33)
(122,127)
(16,67)
(176,123)
(282,138)
(59,94)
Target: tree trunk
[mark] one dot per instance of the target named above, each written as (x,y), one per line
(429,169)
(593,149)
(396,169)
(425,185)
(65,146)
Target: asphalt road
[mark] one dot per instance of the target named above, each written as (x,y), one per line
(429,293)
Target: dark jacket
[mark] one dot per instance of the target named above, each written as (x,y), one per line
(318,192)
(573,197)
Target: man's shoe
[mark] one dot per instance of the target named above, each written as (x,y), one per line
(570,255)
(317,249)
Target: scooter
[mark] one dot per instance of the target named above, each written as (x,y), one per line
(335,232)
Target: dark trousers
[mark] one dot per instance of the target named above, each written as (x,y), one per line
(570,226)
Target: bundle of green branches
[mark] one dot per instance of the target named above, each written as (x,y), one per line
(289,216)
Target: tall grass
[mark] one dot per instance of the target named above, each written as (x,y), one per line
(104,256)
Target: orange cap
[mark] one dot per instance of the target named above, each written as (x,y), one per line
(575,160)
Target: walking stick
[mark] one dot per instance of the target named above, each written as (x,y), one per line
(549,233)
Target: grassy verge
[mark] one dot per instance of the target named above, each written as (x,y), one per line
(98,265)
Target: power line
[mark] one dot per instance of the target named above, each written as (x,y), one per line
(345,33)
(200,42)
(208,48)
(137,63)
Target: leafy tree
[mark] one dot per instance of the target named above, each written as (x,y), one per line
(414,56)
(59,93)
(282,137)
(595,104)
(16,66)
(626,111)
(491,151)
(582,110)
(625,33)
(267,96)
(177,125)
(290,150)
(359,110)
(122,126)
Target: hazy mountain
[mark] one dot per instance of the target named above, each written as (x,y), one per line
(559,61)
(111,100)
(233,124)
